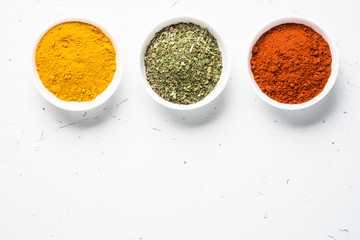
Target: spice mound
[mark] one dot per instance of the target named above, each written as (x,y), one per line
(291,63)
(183,63)
(75,61)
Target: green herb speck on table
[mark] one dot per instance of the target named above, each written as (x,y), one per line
(183,63)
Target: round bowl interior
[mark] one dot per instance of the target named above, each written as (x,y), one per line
(225,73)
(334,64)
(79,106)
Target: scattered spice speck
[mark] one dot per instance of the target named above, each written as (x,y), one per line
(331,237)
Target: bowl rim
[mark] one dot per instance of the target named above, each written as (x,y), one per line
(334,64)
(225,73)
(71,105)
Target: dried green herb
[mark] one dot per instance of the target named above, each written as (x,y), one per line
(183,63)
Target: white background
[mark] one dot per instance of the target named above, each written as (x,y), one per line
(134,170)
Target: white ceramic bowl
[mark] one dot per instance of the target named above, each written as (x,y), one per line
(79,106)
(334,64)
(225,73)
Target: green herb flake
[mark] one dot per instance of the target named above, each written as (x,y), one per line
(183,63)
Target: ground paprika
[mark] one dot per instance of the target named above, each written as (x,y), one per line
(291,63)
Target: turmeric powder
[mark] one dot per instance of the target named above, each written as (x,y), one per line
(75,61)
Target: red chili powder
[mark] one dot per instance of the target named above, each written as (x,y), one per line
(291,63)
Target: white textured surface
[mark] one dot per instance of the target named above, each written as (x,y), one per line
(238,169)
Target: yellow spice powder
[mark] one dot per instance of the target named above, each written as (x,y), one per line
(75,61)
